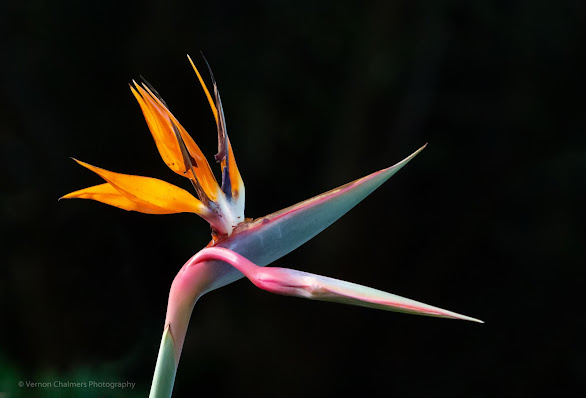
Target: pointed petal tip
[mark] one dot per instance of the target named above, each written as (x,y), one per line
(474,320)
(425,309)
(399,165)
(419,150)
(79,162)
(66,196)
(464,318)
(440,312)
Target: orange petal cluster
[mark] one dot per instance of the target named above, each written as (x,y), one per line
(224,209)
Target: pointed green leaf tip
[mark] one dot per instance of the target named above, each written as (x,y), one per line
(269,238)
(166,367)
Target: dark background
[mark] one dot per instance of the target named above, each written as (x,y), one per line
(487,221)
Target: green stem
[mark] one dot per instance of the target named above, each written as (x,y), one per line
(189,284)
(165,369)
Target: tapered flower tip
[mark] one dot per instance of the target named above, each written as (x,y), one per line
(290,282)
(232,184)
(142,194)
(316,287)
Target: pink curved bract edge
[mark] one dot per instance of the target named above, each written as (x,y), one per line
(282,281)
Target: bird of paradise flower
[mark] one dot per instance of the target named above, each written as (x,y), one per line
(240,246)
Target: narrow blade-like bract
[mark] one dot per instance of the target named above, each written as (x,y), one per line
(270,238)
(295,283)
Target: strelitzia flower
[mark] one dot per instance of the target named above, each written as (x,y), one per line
(240,247)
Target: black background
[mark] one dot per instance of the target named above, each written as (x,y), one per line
(488,220)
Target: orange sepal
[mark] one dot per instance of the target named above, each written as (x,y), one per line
(160,121)
(149,195)
(109,195)
(161,132)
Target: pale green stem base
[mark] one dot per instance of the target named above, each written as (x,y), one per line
(189,284)
(166,368)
